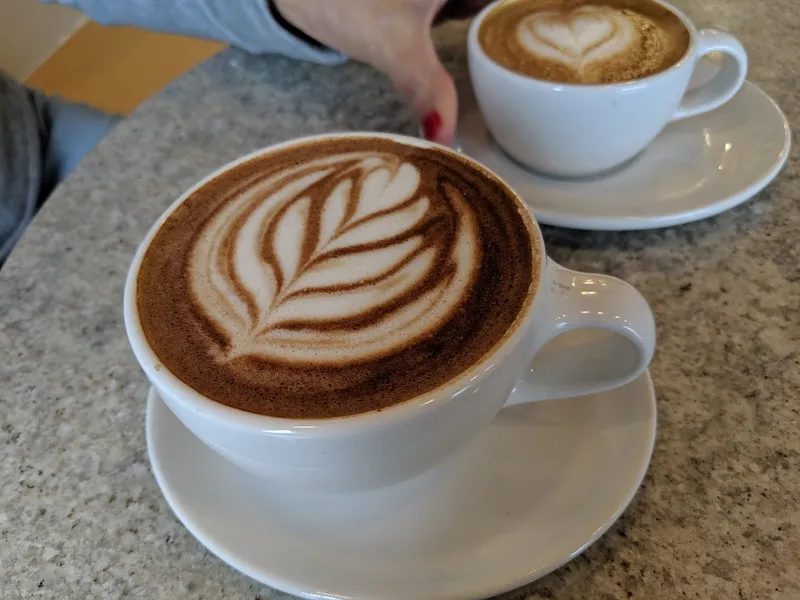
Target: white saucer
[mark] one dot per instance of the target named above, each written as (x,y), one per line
(534,490)
(695,169)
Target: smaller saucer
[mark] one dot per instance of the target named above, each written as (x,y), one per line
(695,169)
(535,489)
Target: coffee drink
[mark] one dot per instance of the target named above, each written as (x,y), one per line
(584,41)
(331,278)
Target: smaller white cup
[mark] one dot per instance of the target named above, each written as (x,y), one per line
(580,130)
(374,450)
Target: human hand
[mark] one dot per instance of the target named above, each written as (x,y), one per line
(393,36)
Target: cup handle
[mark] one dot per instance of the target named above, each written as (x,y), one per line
(725,84)
(616,351)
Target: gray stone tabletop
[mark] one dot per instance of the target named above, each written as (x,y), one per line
(718,516)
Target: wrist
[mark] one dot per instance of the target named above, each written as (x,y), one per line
(291,28)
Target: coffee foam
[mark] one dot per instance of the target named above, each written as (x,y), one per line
(584,41)
(335,277)
(334,261)
(579,38)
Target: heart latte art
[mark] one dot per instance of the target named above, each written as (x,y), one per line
(335,277)
(584,42)
(581,38)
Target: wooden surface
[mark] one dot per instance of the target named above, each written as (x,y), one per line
(116,68)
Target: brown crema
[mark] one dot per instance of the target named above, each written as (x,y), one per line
(659,39)
(268,352)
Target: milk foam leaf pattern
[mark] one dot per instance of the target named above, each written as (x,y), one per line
(347,245)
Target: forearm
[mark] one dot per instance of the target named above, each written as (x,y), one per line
(247,24)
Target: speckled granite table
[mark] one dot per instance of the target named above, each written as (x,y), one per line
(80,514)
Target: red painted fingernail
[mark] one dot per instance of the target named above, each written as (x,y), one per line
(431,125)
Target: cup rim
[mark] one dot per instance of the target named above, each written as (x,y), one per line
(165,381)
(475,48)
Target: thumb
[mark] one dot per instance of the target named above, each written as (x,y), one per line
(428,89)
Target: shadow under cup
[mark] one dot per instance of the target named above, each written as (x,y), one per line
(379,449)
(581,130)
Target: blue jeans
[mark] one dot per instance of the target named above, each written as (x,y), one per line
(42,139)
(75,129)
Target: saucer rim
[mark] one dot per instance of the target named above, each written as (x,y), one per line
(296,588)
(670,219)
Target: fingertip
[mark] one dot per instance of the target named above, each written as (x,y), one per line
(447,106)
(430,91)
(431,125)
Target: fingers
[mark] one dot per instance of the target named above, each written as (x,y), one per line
(394,37)
(428,89)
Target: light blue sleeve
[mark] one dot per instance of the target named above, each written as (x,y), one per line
(252,25)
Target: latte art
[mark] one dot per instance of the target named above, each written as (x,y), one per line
(584,41)
(335,277)
(581,38)
(345,245)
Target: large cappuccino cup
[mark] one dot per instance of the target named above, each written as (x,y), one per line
(577,129)
(383,447)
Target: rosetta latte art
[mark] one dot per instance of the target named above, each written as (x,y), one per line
(580,38)
(345,245)
(336,276)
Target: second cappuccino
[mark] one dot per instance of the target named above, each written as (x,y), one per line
(584,41)
(578,87)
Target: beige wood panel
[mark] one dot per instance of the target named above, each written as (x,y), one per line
(117,68)
(30,32)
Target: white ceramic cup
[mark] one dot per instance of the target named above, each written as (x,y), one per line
(377,449)
(580,130)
